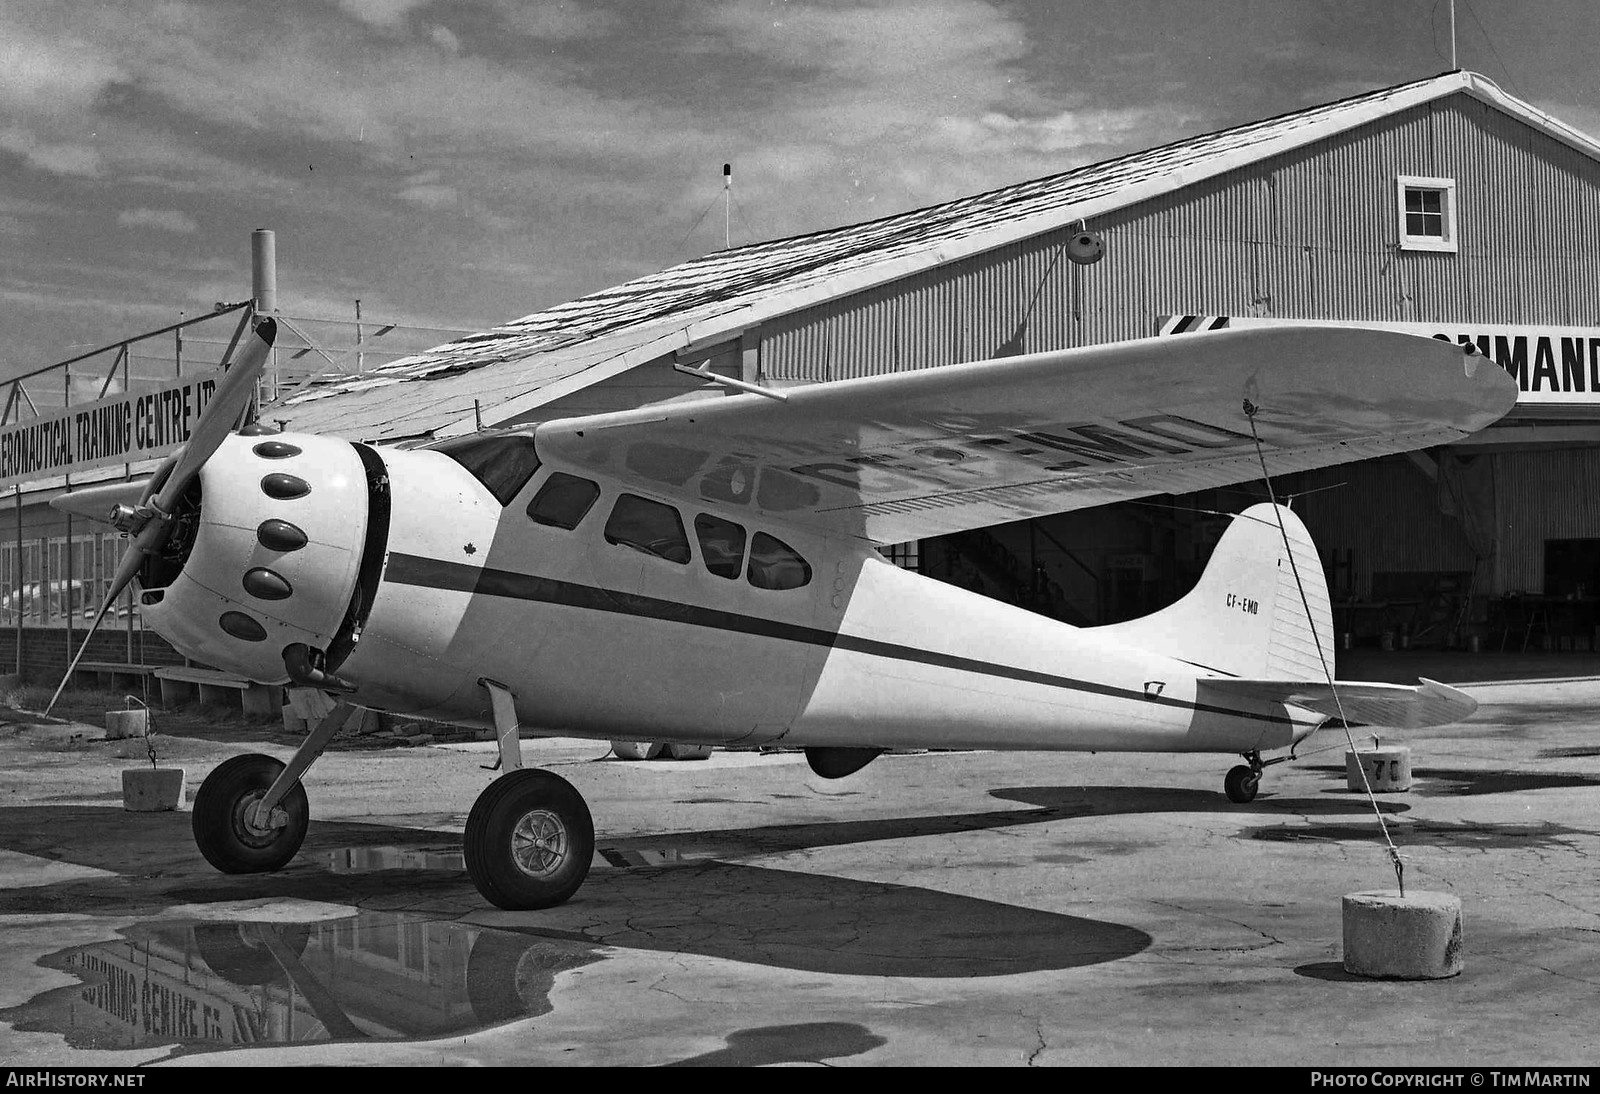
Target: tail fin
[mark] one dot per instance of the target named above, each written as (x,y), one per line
(1246,616)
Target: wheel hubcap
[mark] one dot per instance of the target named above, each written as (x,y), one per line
(244,811)
(539,843)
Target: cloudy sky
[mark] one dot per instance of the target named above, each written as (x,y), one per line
(459,163)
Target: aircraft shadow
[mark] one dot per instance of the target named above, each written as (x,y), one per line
(745,913)
(1103,801)
(804,1042)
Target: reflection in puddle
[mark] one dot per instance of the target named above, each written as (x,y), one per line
(374,975)
(363,860)
(650,856)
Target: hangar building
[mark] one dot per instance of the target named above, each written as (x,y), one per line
(1443,206)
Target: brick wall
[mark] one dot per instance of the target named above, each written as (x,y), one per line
(45,654)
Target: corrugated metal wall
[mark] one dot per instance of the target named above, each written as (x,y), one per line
(1307,235)
(1386,514)
(1539,496)
(1310,235)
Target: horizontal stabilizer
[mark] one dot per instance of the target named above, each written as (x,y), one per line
(97,502)
(1397,706)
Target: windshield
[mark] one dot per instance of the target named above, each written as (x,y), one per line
(503,462)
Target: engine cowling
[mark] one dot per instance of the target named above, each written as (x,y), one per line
(272,558)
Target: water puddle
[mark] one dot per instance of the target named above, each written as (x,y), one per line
(377,976)
(367,860)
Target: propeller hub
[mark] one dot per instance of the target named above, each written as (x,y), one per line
(129,518)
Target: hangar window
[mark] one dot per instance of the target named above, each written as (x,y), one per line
(648,526)
(563,500)
(502,462)
(1427,212)
(721,544)
(776,565)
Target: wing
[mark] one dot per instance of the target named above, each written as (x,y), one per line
(902,456)
(1387,705)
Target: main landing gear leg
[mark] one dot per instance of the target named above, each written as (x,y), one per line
(529,837)
(250,814)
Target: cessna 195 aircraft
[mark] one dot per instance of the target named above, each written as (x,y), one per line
(707,571)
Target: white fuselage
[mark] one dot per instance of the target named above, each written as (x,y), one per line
(599,639)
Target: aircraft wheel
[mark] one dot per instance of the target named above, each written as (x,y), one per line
(529,841)
(222,831)
(1241,784)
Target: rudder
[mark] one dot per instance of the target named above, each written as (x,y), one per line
(1245,617)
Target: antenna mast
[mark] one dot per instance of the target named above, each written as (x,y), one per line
(1453,66)
(727,205)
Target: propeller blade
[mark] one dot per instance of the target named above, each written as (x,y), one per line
(227,402)
(96,502)
(127,568)
(222,412)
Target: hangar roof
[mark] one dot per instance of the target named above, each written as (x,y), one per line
(519,366)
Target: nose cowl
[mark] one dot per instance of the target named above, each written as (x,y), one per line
(275,558)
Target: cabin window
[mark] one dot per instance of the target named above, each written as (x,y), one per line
(563,500)
(776,565)
(503,462)
(721,545)
(1427,212)
(648,526)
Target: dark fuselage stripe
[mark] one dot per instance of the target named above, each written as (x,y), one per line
(435,573)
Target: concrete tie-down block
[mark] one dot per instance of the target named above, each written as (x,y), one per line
(153,789)
(1412,937)
(1387,769)
(126,723)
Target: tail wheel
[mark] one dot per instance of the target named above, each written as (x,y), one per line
(529,841)
(1241,784)
(224,810)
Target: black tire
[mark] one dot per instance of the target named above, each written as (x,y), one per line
(529,841)
(1241,784)
(220,831)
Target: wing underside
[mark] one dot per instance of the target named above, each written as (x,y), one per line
(927,452)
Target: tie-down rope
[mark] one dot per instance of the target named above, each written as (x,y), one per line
(1394,852)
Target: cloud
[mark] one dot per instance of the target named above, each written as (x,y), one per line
(381,13)
(445,39)
(54,158)
(167,220)
(53,73)
(525,153)
(430,195)
(558,22)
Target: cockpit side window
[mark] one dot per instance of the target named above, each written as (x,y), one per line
(776,565)
(503,462)
(721,545)
(563,500)
(648,526)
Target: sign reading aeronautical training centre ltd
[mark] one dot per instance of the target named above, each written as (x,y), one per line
(139,425)
(1552,364)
